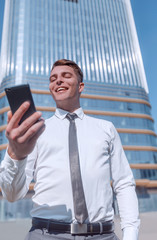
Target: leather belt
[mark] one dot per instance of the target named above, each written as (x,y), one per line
(73,228)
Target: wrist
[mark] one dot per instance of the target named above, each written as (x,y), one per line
(14,155)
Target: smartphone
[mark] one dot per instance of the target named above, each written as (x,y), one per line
(17,95)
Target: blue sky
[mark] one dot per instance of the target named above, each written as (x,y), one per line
(145,17)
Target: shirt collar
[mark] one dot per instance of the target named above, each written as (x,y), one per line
(60,113)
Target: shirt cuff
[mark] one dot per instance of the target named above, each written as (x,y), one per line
(130,233)
(13,164)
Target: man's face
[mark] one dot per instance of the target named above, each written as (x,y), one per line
(65,87)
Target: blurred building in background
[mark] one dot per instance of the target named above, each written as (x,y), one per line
(100,36)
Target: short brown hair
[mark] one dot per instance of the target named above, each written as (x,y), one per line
(72,64)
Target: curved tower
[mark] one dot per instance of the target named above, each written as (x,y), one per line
(100,36)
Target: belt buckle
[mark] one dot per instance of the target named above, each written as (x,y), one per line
(77,228)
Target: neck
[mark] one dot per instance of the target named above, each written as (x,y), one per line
(68,108)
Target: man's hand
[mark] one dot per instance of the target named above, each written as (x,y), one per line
(22,138)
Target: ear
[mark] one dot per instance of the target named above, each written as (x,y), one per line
(81,87)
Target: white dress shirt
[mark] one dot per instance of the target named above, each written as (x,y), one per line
(101,159)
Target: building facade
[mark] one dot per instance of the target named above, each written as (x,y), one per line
(100,36)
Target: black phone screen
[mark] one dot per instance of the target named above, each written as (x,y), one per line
(17,95)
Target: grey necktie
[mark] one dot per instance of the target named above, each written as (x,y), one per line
(80,207)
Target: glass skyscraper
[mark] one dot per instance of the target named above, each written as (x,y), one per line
(100,36)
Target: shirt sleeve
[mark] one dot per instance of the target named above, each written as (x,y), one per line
(15,177)
(124,187)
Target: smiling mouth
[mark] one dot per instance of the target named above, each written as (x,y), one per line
(61,89)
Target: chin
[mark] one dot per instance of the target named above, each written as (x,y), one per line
(60,97)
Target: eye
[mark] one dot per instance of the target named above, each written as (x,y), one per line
(67,75)
(52,78)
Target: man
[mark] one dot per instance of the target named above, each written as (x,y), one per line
(65,207)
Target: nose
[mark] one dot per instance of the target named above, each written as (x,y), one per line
(59,80)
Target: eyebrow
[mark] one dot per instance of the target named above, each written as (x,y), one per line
(62,74)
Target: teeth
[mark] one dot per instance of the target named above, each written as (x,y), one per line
(60,89)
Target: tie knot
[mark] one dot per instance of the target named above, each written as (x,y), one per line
(71,116)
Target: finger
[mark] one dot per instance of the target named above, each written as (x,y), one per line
(32,131)
(9,114)
(18,115)
(34,118)
(37,135)
(21,130)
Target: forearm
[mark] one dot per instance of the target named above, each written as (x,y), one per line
(130,233)
(13,178)
(129,214)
